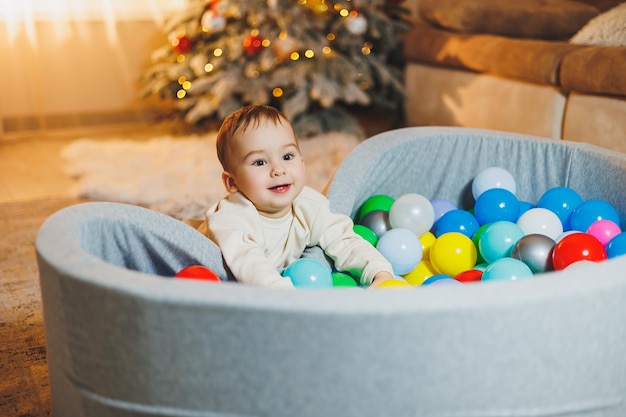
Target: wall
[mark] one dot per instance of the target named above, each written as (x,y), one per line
(80,73)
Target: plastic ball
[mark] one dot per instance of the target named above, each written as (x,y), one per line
(507,269)
(591,211)
(496,204)
(427,240)
(453,253)
(366,233)
(413,212)
(308,273)
(420,273)
(394,284)
(343,280)
(535,250)
(442,206)
(459,221)
(436,278)
(379,202)
(604,230)
(498,240)
(471,275)
(198,272)
(524,206)
(541,221)
(476,239)
(616,246)
(402,248)
(442,281)
(561,201)
(493,177)
(377,221)
(577,247)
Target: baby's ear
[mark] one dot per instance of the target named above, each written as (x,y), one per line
(229,182)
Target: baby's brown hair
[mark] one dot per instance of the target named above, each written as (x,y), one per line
(239,121)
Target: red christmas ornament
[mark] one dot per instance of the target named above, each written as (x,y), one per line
(182,44)
(253,44)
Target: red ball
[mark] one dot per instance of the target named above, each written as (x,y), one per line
(577,247)
(198,272)
(253,44)
(470,275)
(182,44)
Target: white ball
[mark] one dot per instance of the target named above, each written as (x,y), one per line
(541,221)
(493,177)
(413,212)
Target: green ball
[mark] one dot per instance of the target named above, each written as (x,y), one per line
(343,280)
(475,239)
(376,202)
(366,233)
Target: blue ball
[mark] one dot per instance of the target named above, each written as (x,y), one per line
(309,273)
(496,204)
(507,269)
(591,211)
(402,248)
(524,206)
(616,246)
(561,201)
(498,240)
(437,278)
(457,220)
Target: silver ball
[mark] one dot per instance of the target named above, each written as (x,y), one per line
(535,250)
(377,220)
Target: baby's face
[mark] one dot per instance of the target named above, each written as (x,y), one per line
(267,168)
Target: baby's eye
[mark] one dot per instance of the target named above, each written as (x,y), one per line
(288,157)
(258,163)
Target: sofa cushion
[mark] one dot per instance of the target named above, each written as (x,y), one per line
(540,19)
(531,60)
(596,70)
(607,29)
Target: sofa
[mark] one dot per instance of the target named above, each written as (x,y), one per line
(126,339)
(552,68)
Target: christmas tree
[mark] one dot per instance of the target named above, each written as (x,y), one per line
(312,59)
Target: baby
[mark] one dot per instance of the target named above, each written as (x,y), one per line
(270,216)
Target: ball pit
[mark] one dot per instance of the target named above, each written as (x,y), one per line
(514,239)
(122,339)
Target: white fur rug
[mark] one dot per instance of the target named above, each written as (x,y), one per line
(178,176)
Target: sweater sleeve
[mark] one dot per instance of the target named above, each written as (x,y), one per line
(334,233)
(236,230)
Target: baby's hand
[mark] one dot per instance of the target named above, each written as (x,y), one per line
(379,278)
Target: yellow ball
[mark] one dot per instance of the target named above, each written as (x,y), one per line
(427,240)
(452,253)
(393,283)
(421,273)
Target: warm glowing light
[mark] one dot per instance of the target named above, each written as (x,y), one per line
(186,85)
(266,42)
(181,93)
(326,50)
(283,35)
(309,53)
(354,13)
(330,36)
(182,79)
(254,32)
(364,85)
(277,92)
(209,67)
(294,56)
(180,58)
(344,12)
(366,51)
(218,52)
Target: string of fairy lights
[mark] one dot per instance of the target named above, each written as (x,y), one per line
(213,21)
